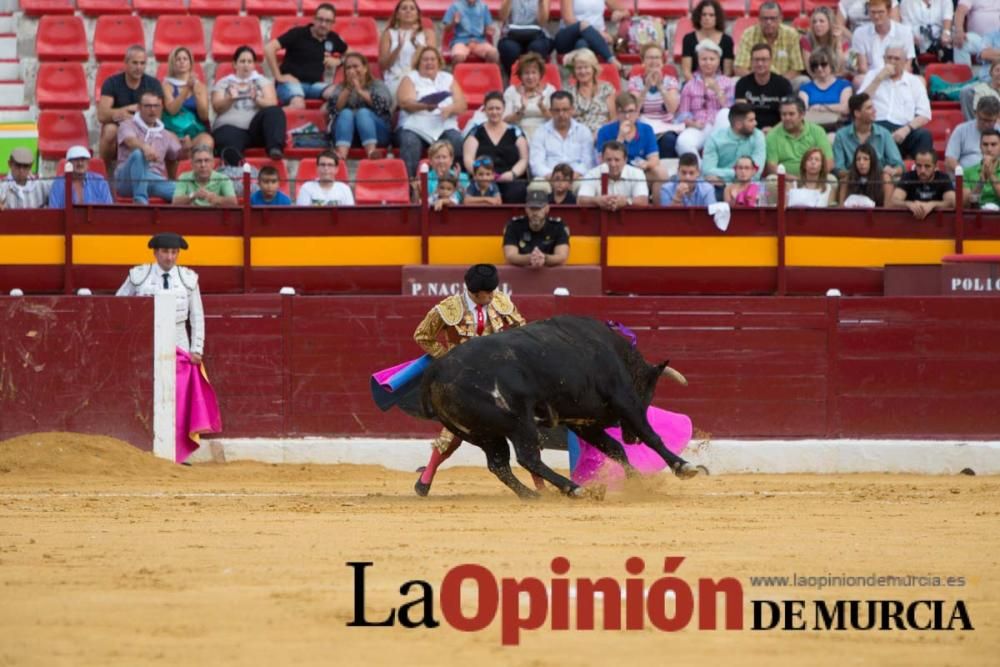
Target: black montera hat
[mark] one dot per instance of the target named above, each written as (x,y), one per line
(482,278)
(168,240)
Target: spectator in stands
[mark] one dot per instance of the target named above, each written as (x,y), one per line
(403,35)
(854,13)
(470,19)
(782,41)
(21,188)
(311,52)
(441,158)
(974,21)
(536,240)
(744,190)
(483,190)
(583,27)
(430,102)
(963,144)
(88,187)
(203,186)
(762,89)
(871,41)
(687,188)
(925,188)
(705,100)
(325,190)
(982,181)
(524,31)
(119,100)
(901,104)
(861,131)
(626,184)
(505,144)
(446,194)
(825,96)
(709,22)
(185,100)
(814,187)
(593,98)
(247,111)
(930,22)
(825,34)
(561,184)
(788,142)
(989,88)
(360,106)
(658,96)
(727,145)
(145,147)
(527,104)
(268,191)
(561,140)
(867,177)
(638,139)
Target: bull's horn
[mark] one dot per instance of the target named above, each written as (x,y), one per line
(675,375)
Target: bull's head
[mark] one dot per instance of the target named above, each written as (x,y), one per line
(645,387)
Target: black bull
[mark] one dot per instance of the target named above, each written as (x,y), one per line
(565,370)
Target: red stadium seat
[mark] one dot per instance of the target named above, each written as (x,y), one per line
(215,7)
(464,118)
(283,24)
(296,118)
(307,172)
(224,68)
(159,7)
(802,23)
(808,6)
(231,32)
(272,7)
(477,79)
(174,31)
(943,121)
(735,8)
(114,34)
(435,9)
(61,86)
(360,33)
(379,9)
(58,130)
(610,74)
(949,72)
(105,70)
(670,8)
(789,10)
(104,7)
(61,38)
(96,165)
(340,7)
(684,26)
(199,71)
(381,182)
(668,70)
(259,162)
(551,75)
(740,26)
(47,7)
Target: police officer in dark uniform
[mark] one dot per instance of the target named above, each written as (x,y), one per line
(536,240)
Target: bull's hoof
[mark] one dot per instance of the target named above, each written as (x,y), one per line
(422,489)
(686,470)
(704,471)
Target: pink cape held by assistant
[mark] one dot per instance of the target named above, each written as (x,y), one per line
(197,407)
(591,466)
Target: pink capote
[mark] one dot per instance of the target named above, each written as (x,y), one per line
(197,407)
(674,428)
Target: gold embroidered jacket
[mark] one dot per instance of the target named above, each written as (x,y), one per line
(458,323)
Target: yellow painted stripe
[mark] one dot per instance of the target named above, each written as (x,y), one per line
(334,250)
(113,249)
(489,249)
(692,251)
(31,249)
(863,252)
(981,248)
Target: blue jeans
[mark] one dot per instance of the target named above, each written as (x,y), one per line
(571,37)
(310,91)
(136,180)
(370,128)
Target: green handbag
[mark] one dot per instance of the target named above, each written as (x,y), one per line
(184,123)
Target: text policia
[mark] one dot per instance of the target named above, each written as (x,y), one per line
(668,603)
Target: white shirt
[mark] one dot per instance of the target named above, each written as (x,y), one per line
(899,101)
(856,11)
(871,45)
(33,194)
(632,183)
(428,124)
(404,63)
(591,11)
(311,193)
(916,14)
(532,118)
(549,148)
(147,280)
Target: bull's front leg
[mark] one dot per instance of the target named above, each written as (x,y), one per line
(634,419)
(607,446)
(498,461)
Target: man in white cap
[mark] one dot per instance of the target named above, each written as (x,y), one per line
(88,187)
(21,188)
(164,275)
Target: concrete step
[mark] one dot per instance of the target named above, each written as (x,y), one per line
(7,23)
(10,68)
(11,92)
(17,113)
(8,45)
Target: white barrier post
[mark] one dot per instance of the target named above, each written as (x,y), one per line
(164,377)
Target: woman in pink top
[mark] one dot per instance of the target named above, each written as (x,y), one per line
(659,96)
(705,99)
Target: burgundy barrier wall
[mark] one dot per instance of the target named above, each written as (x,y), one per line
(922,367)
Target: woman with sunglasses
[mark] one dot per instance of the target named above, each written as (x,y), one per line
(825,33)
(825,96)
(505,145)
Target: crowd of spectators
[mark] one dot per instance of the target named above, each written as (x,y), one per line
(835,106)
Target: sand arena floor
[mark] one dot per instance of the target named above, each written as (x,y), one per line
(110,557)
